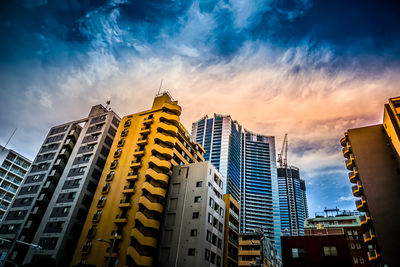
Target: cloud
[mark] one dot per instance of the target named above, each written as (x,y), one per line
(346,198)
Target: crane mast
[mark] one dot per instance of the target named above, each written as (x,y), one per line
(282,157)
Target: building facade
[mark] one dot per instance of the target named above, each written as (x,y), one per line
(292,201)
(373,158)
(13,168)
(345,224)
(249,163)
(231,232)
(52,203)
(193,225)
(255,246)
(129,202)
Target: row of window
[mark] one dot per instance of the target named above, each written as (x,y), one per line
(213,239)
(214,222)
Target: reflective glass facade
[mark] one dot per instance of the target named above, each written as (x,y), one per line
(292,201)
(248,161)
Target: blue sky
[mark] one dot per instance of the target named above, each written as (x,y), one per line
(311,69)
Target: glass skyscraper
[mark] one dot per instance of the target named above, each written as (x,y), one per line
(292,201)
(248,162)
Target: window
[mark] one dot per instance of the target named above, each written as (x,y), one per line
(81,169)
(214,240)
(86,157)
(11,227)
(197,199)
(209,235)
(76,182)
(66,210)
(191,251)
(358,246)
(199,184)
(193,232)
(212,259)
(330,251)
(295,253)
(29,189)
(211,202)
(355,259)
(220,227)
(36,177)
(207,255)
(221,212)
(219,243)
(349,232)
(361,260)
(218,261)
(353,246)
(195,215)
(210,218)
(355,232)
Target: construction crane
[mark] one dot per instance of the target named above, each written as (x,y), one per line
(282,157)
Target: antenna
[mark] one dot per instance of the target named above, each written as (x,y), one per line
(160,87)
(108,102)
(9,139)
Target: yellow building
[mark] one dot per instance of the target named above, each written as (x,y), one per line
(231,234)
(124,219)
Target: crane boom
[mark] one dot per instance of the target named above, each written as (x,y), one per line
(282,157)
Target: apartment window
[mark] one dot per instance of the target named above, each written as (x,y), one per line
(209,236)
(355,232)
(11,227)
(353,246)
(197,199)
(195,215)
(214,240)
(295,253)
(36,177)
(66,210)
(81,169)
(86,157)
(220,227)
(191,252)
(76,182)
(221,212)
(361,260)
(210,218)
(349,232)
(193,232)
(358,246)
(199,184)
(207,255)
(218,261)
(219,243)
(330,251)
(211,202)
(29,189)
(355,259)
(212,259)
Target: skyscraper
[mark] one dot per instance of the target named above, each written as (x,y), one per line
(52,204)
(124,220)
(248,161)
(373,158)
(13,168)
(292,201)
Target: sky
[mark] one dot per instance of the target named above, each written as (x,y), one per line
(312,69)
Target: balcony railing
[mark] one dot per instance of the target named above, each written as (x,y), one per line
(233,227)
(233,213)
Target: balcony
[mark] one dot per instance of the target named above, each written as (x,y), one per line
(164,151)
(106,189)
(152,206)
(369,235)
(128,190)
(233,241)
(121,142)
(136,164)
(144,130)
(249,252)
(234,214)
(64,153)
(160,163)
(344,140)
(346,150)
(117,153)
(353,176)
(139,259)
(161,177)
(69,144)
(365,219)
(166,139)
(157,191)
(86,248)
(73,134)
(155,224)
(101,202)
(373,255)
(123,204)
(168,128)
(59,164)
(174,119)
(110,176)
(138,152)
(172,108)
(142,239)
(49,187)
(361,204)
(351,162)
(114,164)
(119,219)
(357,189)
(231,225)
(147,121)
(142,141)
(132,177)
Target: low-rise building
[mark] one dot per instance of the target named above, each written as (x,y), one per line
(253,246)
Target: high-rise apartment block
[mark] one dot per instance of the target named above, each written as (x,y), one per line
(248,161)
(193,224)
(373,159)
(52,203)
(292,200)
(129,203)
(13,168)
